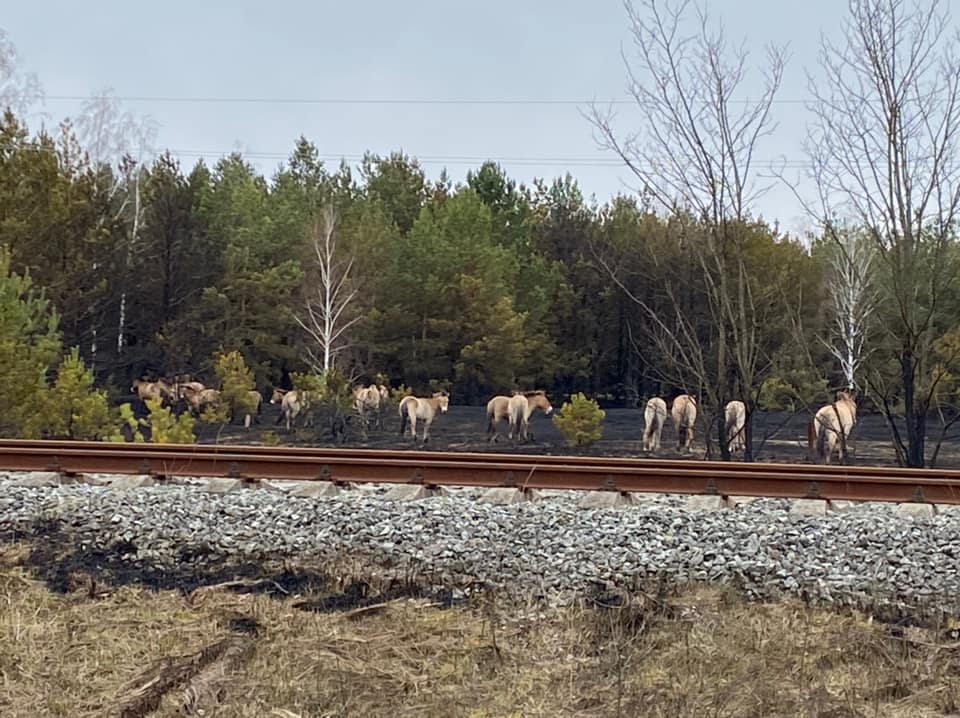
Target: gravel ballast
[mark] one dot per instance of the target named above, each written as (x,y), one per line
(552,549)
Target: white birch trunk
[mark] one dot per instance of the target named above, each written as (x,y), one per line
(328,303)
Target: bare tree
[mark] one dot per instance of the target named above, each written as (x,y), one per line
(331,298)
(852,299)
(884,150)
(19,90)
(694,156)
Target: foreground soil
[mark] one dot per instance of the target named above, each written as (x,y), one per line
(267,646)
(778,437)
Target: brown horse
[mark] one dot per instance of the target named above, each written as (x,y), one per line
(684,414)
(654,417)
(522,407)
(367,402)
(498,408)
(830,428)
(207,397)
(152,390)
(254,403)
(735,415)
(292,403)
(413,408)
(190,391)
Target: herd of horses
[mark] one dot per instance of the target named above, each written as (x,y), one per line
(827,430)
(195,394)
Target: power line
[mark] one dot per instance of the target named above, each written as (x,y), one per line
(365,100)
(422,159)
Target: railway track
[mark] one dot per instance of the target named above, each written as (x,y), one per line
(522,471)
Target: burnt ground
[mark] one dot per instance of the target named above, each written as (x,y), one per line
(778,437)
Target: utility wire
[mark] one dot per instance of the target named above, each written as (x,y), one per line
(422,159)
(364,100)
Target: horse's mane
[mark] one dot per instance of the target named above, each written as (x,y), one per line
(536,392)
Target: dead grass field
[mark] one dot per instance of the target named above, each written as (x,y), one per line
(96,649)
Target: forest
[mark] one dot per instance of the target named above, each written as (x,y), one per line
(130,264)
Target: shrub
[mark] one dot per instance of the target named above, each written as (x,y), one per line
(162,426)
(129,429)
(72,408)
(397,394)
(236,383)
(792,391)
(270,438)
(580,420)
(331,400)
(165,428)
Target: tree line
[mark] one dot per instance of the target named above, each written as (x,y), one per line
(482,285)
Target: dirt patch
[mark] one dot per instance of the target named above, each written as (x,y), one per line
(133,651)
(65,567)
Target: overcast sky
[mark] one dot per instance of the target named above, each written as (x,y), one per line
(423,50)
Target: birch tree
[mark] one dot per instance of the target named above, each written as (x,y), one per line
(119,145)
(852,301)
(331,295)
(884,149)
(694,155)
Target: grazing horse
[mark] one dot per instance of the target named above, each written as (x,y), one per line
(414,407)
(497,408)
(522,407)
(684,414)
(291,404)
(654,417)
(830,428)
(152,389)
(735,415)
(384,393)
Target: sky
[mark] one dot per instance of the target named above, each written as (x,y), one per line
(429,50)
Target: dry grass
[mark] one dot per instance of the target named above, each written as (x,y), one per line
(127,651)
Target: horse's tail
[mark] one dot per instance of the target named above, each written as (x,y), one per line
(404,416)
(516,417)
(733,427)
(821,441)
(491,420)
(652,417)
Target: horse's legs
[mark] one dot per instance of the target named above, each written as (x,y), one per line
(426,428)
(413,426)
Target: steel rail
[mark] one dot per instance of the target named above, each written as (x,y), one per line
(494,457)
(487,470)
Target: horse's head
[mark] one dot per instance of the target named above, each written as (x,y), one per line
(539,400)
(444,401)
(277,396)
